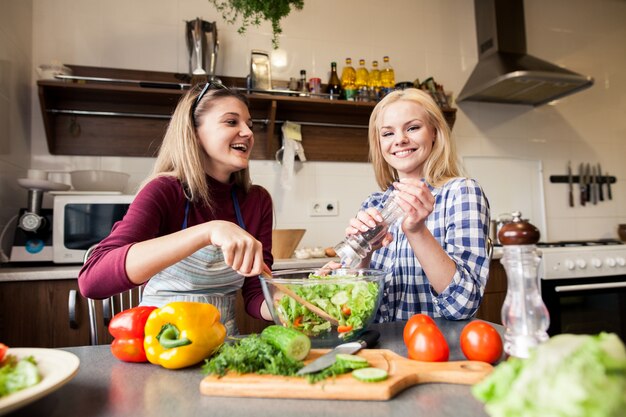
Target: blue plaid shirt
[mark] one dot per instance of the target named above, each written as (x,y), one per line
(460,223)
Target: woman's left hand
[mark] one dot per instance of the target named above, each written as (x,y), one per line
(415,198)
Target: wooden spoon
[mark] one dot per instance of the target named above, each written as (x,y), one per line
(267,274)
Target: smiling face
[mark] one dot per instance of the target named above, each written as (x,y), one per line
(225,133)
(406,138)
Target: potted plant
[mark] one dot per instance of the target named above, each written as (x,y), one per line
(254,11)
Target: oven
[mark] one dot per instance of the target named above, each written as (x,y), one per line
(583,285)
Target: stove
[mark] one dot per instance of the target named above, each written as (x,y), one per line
(582,259)
(583,285)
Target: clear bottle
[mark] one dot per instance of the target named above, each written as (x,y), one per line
(524,315)
(354,248)
(303,87)
(374,83)
(333,88)
(362,79)
(348,81)
(387,76)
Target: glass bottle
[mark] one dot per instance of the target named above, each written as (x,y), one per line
(524,315)
(374,83)
(333,89)
(362,78)
(387,76)
(354,248)
(303,87)
(348,79)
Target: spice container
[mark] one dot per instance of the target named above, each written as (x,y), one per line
(524,315)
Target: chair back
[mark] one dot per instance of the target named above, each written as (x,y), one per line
(102,311)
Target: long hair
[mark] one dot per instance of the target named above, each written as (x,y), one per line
(442,163)
(181,154)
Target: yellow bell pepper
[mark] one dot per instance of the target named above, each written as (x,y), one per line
(183,333)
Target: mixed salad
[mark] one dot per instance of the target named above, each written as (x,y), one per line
(352,303)
(16,374)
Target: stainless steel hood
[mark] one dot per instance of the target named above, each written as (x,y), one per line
(505,73)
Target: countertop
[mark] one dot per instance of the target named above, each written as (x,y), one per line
(52,271)
(107,387)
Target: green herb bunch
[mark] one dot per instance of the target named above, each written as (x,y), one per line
(254,11)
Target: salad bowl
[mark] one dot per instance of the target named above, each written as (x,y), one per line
(350,296)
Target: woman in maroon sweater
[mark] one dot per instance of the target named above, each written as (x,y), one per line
(197,230)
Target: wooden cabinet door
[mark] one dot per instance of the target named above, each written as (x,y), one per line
(37,314)
(495,293)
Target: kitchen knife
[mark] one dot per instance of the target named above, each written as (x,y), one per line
(367,339)
(600,181)
(588,182)
(583,188)
(570,180)
(594,185)
(608,186)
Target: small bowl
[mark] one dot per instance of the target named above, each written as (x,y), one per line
(97,180)
(352,296)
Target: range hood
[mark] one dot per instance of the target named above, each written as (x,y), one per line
(505,73)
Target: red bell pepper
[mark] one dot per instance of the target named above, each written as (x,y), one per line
(127,327)
(3,350)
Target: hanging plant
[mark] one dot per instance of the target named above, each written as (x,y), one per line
(252,12)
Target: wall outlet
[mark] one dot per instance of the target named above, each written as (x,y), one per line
(324,208)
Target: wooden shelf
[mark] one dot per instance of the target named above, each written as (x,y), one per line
(126,119)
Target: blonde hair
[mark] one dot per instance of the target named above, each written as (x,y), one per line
(441,165)
(181,154)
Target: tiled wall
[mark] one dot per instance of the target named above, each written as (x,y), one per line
(423,38)
(15,108)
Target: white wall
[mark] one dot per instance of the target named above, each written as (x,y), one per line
(15,106)
(423,38)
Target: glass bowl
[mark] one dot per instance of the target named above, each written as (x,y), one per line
(351,296)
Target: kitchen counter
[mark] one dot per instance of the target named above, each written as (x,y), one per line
(107,387)
(51,271)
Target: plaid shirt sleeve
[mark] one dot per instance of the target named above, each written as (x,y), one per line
(460,222)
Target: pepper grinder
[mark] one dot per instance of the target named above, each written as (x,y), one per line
(524,315)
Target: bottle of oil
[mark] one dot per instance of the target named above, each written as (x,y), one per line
(348,80)
(362,78)
(333,89)
(374,82)
(387,77)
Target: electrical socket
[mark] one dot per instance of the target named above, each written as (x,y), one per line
(324,208)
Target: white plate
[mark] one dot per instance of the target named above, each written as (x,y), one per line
(44,185)
(57,367)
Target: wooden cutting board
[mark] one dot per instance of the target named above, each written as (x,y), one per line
(403,373)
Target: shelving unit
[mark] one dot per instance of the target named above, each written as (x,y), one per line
(126,119)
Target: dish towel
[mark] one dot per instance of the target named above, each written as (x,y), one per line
(292,146)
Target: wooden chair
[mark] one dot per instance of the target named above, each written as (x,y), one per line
(102,311)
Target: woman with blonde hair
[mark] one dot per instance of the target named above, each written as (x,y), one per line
(438,252)
(197,230)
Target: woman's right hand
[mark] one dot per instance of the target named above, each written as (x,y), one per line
(241,250)
(365,220)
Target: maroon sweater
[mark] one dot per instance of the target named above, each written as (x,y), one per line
(159,209)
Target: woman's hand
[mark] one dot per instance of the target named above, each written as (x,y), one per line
(365,220)
(417,202)
(241,250)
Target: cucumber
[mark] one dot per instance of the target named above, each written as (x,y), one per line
(370,374)
(291,342)
(352,361)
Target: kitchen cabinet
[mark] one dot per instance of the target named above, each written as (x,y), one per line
(129,117)
(37,314)
(495,293)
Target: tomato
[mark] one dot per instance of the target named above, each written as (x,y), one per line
(481,342)
(3,350)
(413,323)
(428,344)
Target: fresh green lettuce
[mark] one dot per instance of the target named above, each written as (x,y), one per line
(17,374)
(352,303)
(568,376)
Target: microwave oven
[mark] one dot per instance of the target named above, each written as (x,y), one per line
(81,221)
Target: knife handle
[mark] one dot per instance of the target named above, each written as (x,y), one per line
(369,338)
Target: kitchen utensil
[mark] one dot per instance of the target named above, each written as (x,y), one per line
(285,242)
(608,186)
(403,373)
(267,274)
(348,298)
(594,185)
(203,46)
(367,339)
(600,181)
(583,187)
(588,182)
(98,180)
(261,71)
(570,181)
